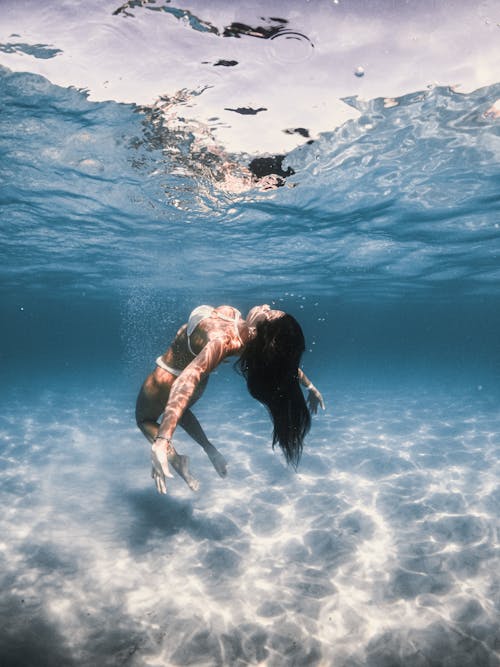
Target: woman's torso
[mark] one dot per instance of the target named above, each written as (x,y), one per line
(205,324)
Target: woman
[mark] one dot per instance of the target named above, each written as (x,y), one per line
(269,344)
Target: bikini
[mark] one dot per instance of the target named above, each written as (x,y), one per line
(175,371)
(198,315)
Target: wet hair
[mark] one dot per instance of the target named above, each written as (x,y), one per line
(270,364)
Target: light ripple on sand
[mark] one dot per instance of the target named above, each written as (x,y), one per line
(382,549)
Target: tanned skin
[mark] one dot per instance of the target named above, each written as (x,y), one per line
(163,393)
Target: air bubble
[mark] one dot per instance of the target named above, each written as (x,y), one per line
(290,47)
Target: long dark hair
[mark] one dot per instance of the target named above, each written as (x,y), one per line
(270,364)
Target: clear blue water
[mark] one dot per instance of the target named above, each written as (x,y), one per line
(385,243)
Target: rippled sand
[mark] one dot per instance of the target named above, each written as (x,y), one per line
(382,550)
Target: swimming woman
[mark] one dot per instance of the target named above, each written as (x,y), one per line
(269,344)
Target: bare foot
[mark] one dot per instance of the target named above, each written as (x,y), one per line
(180,464)
(218,461)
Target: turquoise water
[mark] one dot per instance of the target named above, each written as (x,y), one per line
(119,217)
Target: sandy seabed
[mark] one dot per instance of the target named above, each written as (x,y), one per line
(382,550)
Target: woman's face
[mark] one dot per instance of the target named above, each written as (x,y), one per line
(260,313)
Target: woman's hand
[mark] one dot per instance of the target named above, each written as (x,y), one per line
(160,468)
(314,398)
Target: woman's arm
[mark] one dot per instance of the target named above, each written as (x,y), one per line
(314,397)
(184,387)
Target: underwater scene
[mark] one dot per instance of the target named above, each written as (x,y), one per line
(336,159)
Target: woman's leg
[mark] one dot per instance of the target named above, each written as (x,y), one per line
(149,406)
(193,428)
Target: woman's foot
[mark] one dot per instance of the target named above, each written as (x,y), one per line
(218,461)
(180,464)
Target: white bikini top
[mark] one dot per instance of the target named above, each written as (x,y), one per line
(203,313)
